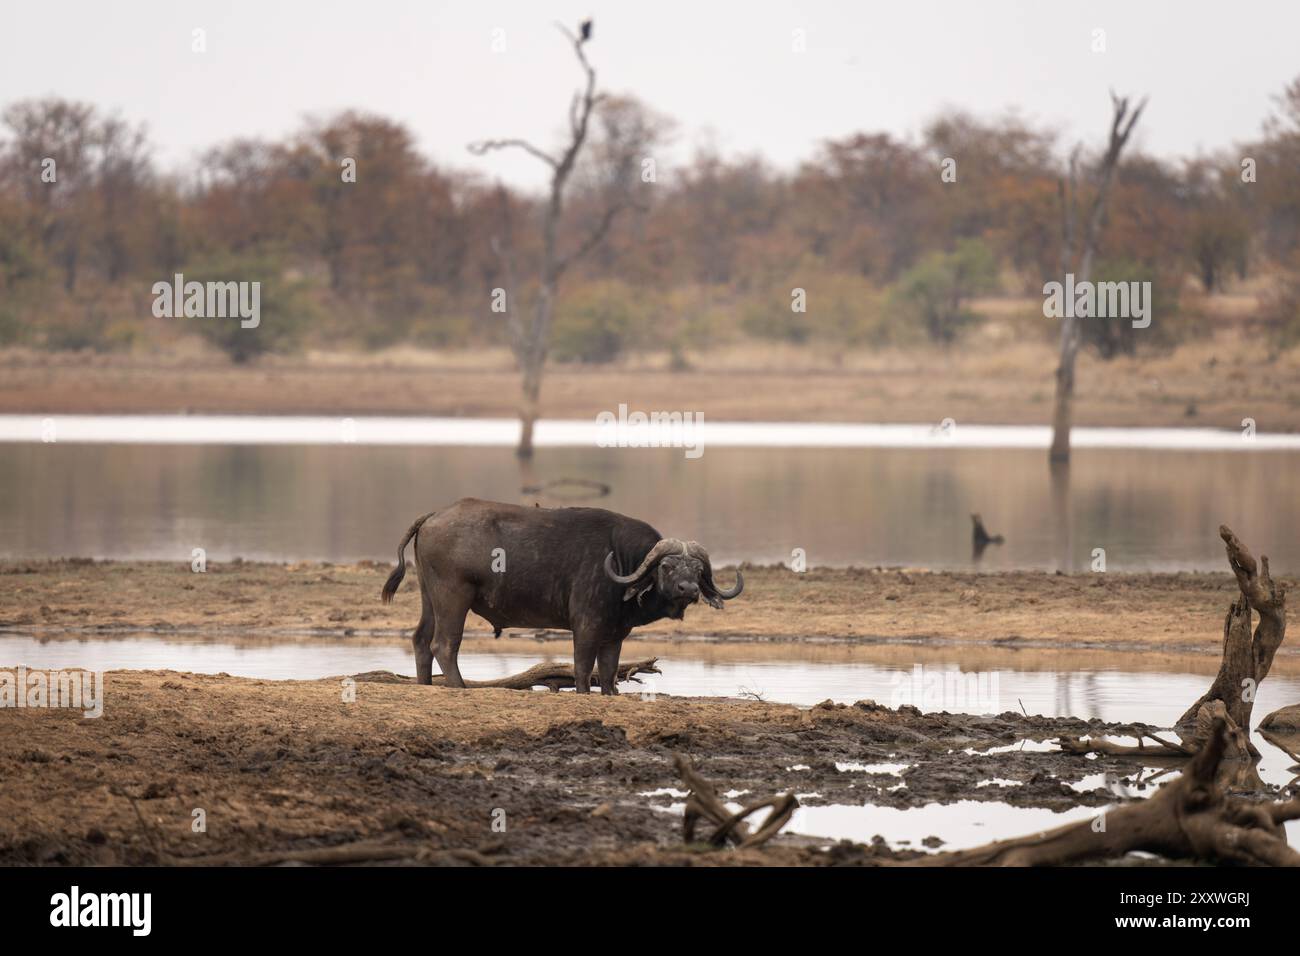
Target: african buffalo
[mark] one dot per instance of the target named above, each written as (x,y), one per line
(548,568)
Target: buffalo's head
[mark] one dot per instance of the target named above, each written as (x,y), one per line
(679,572)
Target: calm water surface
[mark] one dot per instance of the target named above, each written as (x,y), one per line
(866,506)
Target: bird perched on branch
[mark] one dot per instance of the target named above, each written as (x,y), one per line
(584,30)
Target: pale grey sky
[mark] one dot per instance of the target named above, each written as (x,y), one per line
(725,71)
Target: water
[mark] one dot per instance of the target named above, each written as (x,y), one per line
(292,489)
(158,497)
(1156,698)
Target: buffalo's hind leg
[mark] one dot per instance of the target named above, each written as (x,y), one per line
(422,641)
(450,607)
(584,659)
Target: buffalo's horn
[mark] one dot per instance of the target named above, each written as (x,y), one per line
(735,591)
(662,547)
(696,550)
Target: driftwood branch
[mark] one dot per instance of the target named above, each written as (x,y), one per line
(703,802)
(554,676)
(557,675)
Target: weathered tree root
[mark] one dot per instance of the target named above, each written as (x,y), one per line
(557,675)
(703,802)
(1245,664)
(1188,818)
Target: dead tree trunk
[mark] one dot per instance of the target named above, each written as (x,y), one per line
(530,341)
(1121,126)
(1189,818)
(1246,662)
(1246,658)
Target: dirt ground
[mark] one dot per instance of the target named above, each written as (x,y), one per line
(294,772)
(1001,380)
(831,610)
(410,774)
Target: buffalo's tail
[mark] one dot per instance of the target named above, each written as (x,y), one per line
(399,572)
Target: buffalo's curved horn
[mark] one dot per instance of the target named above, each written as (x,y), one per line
(697,550)
(662,547)
(735,591)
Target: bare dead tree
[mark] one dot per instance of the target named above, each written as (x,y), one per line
(1121,127)
(530,339)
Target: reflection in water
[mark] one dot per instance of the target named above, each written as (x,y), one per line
(870,506)
(981,539)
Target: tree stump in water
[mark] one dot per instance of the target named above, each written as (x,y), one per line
(1245,663)
(1246,658)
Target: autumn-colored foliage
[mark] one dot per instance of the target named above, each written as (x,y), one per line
(889,238)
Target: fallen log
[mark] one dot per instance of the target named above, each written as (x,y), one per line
(1191,817)
(556,675)
(703,802)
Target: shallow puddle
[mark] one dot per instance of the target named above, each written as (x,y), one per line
(1154,698)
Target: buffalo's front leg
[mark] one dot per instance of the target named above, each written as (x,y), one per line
(584,659)
(607,666)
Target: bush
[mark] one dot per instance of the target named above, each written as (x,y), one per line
(1280,311)
(1117,336)
(935,291)
(284,307)
(597,322)
(840,310)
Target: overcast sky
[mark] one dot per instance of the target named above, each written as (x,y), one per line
(726,71)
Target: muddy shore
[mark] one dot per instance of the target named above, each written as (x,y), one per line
(409,774)
(306,771)
(827,609)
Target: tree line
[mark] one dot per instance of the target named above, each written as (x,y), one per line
(361,241)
